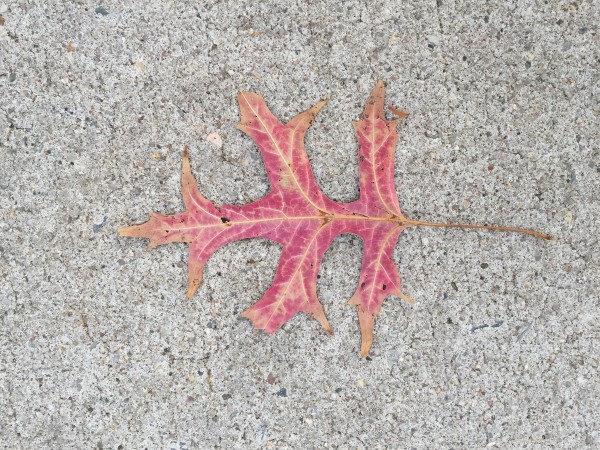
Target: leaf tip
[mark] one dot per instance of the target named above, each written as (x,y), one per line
(132,231)
(404,297)
(326,326)
(320,104)
(316,312)
(367,324)
(374,106)
(192,287)
(365,345)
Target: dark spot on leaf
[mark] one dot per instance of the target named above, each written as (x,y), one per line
(362,285)
(225,220)
(384,287)
(362,158)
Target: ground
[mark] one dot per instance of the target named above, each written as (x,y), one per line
(100,348)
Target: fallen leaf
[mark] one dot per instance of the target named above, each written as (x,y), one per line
(300,217)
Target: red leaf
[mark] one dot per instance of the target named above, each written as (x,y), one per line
(299,216)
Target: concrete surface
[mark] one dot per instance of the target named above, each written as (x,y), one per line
(99,348)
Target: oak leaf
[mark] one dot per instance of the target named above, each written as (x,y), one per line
(300,217)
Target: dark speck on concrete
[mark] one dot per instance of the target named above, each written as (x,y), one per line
(101,10)
(98,226)
(282,392)
(474,328)
(485,325)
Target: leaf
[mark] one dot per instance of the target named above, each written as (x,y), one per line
(300,217)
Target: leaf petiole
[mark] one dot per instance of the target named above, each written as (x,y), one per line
(418,223)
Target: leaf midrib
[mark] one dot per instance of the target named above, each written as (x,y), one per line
(328,218)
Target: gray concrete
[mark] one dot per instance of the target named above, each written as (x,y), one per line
(99,348)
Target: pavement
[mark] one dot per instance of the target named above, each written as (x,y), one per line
(100,348)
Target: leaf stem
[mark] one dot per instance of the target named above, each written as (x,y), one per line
(418,223)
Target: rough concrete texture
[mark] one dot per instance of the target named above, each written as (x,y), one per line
(99,348)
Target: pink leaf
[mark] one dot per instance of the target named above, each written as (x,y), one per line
(300,217)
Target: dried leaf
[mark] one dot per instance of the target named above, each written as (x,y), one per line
(298,215)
